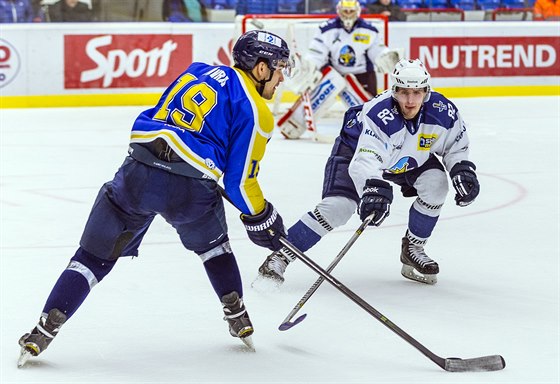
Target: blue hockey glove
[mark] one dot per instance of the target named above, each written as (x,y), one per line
(265,228)
(465,182)
(376,199)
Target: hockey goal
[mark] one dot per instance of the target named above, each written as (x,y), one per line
(298,30)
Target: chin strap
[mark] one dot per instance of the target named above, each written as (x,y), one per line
(261,83)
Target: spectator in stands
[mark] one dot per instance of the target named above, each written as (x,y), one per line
(16,11)
(546,10)
(38,11)
(387,8)
(245,7)
(321,6)
(70,11)
(183,11)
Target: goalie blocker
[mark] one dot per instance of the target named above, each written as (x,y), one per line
(296,121)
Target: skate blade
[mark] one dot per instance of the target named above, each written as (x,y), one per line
(248,341)
(24,356)
(412,274)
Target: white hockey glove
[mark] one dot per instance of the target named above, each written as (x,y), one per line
(385,62)
(306,76)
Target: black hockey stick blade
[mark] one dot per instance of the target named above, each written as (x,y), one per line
(477,364)
(289,324)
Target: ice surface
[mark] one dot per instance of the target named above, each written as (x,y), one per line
(155,319)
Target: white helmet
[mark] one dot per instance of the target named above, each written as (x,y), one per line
(348,11)
(410,74)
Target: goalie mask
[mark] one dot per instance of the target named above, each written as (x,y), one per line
(348,11)
(411,74)
(255,45)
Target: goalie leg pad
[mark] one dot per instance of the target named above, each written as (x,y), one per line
(354,93)
(293,124)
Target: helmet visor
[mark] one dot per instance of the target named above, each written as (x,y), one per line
(285,65)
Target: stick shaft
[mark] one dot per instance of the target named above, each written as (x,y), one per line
(329,269)
(363,304)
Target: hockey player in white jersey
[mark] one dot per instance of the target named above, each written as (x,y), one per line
(399,137)
(342,61)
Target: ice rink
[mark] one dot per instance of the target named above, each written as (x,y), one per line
(155,318)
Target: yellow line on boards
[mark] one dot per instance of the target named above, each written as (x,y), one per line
(148,99)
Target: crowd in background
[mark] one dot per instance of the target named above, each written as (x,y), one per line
(26,11)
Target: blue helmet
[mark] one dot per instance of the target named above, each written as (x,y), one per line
(255,45)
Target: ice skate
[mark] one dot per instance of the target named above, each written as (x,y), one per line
(417,265)
(35,342)
(274,266)
(238,319)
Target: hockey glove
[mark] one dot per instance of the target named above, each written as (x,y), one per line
(266,228)
(376,199)
(385,62)
(465,182)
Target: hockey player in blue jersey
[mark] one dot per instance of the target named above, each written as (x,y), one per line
(211,122)
(395,137)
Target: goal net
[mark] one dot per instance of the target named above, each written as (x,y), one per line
(298,30)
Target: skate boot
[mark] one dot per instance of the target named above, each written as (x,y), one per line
(238,319)
(417,265)
(34,343)
(275,265)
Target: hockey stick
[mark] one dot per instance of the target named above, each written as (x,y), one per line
(450,364)
(287,324)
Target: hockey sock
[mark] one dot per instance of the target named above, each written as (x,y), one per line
(420,224)
(308,231)
(223,273)
(74,284)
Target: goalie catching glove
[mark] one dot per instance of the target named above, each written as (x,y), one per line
(376,200)
(465,182)
(386,61)
(265,228)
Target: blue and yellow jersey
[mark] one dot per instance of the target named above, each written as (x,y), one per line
(214,119)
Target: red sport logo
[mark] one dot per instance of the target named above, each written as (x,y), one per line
(124,61)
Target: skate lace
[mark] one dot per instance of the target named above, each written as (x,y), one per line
(419,256)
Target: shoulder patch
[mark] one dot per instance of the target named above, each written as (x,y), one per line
(440,111)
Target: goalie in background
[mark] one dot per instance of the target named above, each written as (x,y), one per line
(410,136)
(342,60)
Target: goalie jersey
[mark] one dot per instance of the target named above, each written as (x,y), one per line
(215,120)
(389,144)
(348,52)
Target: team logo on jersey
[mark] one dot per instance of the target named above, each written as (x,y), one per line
(347,56)
(425,141)
(440,106)
(361,38)
(404,164)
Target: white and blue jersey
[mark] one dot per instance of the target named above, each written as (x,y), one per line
(390,144)
(215,120)
(351,51)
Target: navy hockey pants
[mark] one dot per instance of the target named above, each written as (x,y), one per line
(126,206)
